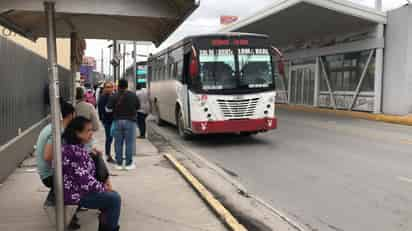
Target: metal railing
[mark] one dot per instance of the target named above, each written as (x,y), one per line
(23,84)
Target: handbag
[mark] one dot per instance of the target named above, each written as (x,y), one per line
(102,172)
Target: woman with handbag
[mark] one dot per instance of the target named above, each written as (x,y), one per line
(79,176)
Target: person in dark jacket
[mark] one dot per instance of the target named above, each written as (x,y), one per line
(124,105)
(106,118)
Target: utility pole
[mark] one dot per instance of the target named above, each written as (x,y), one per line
(110,58)
(118,58)
(133,76)
(102,62)
(115,67)
(378,4)
(124,60)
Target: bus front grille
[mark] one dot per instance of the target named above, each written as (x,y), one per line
(238,109)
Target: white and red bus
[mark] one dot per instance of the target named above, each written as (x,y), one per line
(218,83)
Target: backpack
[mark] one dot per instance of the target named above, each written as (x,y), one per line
(90,98)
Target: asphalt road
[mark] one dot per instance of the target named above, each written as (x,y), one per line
(328,173)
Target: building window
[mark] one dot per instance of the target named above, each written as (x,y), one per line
(345,70)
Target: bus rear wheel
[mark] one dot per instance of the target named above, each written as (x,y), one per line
(181,125)
(156,113)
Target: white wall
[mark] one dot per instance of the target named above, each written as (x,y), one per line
(397,83)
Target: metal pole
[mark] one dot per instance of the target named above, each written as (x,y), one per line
(133,76)
(115,67)
(73,67)
(124,61)
(102,62)
(55,113)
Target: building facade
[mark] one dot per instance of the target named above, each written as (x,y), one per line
(339,54)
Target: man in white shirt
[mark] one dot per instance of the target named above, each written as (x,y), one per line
(144,110)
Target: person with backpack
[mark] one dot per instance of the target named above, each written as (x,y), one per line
(124,105)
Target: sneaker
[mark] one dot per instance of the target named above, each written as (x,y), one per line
(130,167)
(118,167)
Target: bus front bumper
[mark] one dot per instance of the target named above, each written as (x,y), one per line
(234,126)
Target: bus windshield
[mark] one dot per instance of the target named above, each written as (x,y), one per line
(255,68)
(219,69)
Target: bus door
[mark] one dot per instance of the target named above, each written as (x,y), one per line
(184,92)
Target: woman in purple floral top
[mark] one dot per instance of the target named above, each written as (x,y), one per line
(79,171)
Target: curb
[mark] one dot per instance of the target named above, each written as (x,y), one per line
(217,207)
(402,120)
(248,209)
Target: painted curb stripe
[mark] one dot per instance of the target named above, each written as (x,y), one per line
(403,120)
(217,207)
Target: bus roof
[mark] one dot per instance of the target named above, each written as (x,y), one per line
(193,37)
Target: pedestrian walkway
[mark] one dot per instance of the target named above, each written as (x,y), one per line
(154,197)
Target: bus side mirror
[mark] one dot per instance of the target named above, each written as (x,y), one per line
(193,66)
(280,61)
(281,67)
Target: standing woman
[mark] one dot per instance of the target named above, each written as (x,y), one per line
(86,109)
(106,118)
(79,176)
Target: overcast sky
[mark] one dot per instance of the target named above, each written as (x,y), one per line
(207,19)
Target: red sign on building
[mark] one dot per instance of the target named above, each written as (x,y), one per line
(225,19)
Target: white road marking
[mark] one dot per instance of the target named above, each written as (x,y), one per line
(405,179)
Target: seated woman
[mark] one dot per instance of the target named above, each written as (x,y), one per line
(79,176)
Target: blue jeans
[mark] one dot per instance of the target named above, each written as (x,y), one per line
(109,203)
(125,133)
(141,123)
(109,138)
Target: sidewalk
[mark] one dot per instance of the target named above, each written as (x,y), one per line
(403,120)
(154,198)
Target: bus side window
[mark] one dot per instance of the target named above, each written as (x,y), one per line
(185,68)
(179,71)
(170,71)
(149,73)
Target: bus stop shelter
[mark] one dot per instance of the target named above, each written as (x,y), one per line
(138,20)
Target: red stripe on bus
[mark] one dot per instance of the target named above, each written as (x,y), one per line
(231,126)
